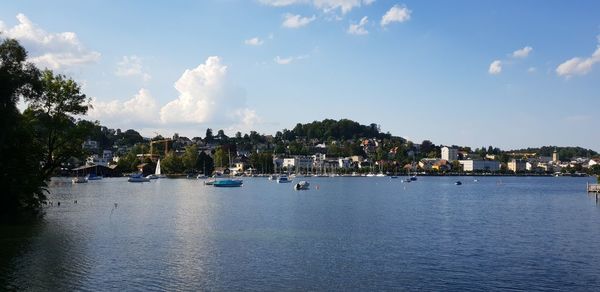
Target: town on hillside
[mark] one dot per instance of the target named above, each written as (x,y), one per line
(326,147)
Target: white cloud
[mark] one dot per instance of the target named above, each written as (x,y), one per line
(131,66)
(254,41)
(578,65)
(495,67)
(140,110)
(522,53)
(531,69)
(359,29)
(396,14)
(344,6)
(206,96)
(51,50)
(296,21)
(289,60)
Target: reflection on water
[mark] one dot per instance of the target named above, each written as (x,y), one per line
(349,234)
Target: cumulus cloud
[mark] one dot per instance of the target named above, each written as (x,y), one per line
(344,6)
(296,21)
(396,14)
(140,110)
(522,53)
(359,29)
(578,65)
(254,41)
(206,96)
(131,66)
(51,50)
(285,61)
(495,67)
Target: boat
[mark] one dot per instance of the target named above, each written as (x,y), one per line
(272,177)
(157,173)
(380,174)
(138,178)
(458,183)
(93,176)
(79,180)
(283,179)
(413,177)
(228,183)
(210,182)
(393,176)
(406,180)
(302,185)
(201,176)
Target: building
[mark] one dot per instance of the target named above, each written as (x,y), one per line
(298,162)
(450,154)
(555,157)
(90,145)
(344,163)
(477,165)
(516,165)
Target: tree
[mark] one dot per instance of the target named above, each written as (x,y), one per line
(190,157)
(22,182)
(221,157)
(205,163)
(51,114)
(209,135)
(172,163)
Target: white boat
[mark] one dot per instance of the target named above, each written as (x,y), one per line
(79,180)
(93,176)
(201,176)
(380,175)
(302,185)
(137,178)
(272,177)
(283,179)
(370,174)
(157,173)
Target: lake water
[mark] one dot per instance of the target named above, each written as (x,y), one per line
(500,233)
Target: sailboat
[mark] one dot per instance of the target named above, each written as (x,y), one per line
(157,173)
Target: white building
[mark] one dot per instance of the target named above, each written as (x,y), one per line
(449,154)
(298,162)
(473,165)
(517,165)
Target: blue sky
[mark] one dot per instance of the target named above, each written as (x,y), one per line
(476,73)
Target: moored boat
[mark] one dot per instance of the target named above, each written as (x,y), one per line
(93,176)
(79,180)
(283,179)
(137,178)
(302,185)
(228,183)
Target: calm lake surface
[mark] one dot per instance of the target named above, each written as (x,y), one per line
(500,233)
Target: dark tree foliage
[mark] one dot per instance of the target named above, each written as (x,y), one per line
(35,143)
(22,182)
(565,153)
(327,129)
(205,163)
(262,162)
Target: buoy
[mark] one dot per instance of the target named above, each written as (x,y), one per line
(317,187)
(58,204)
(116,205)
(75,202)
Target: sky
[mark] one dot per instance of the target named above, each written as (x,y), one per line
(511,74)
